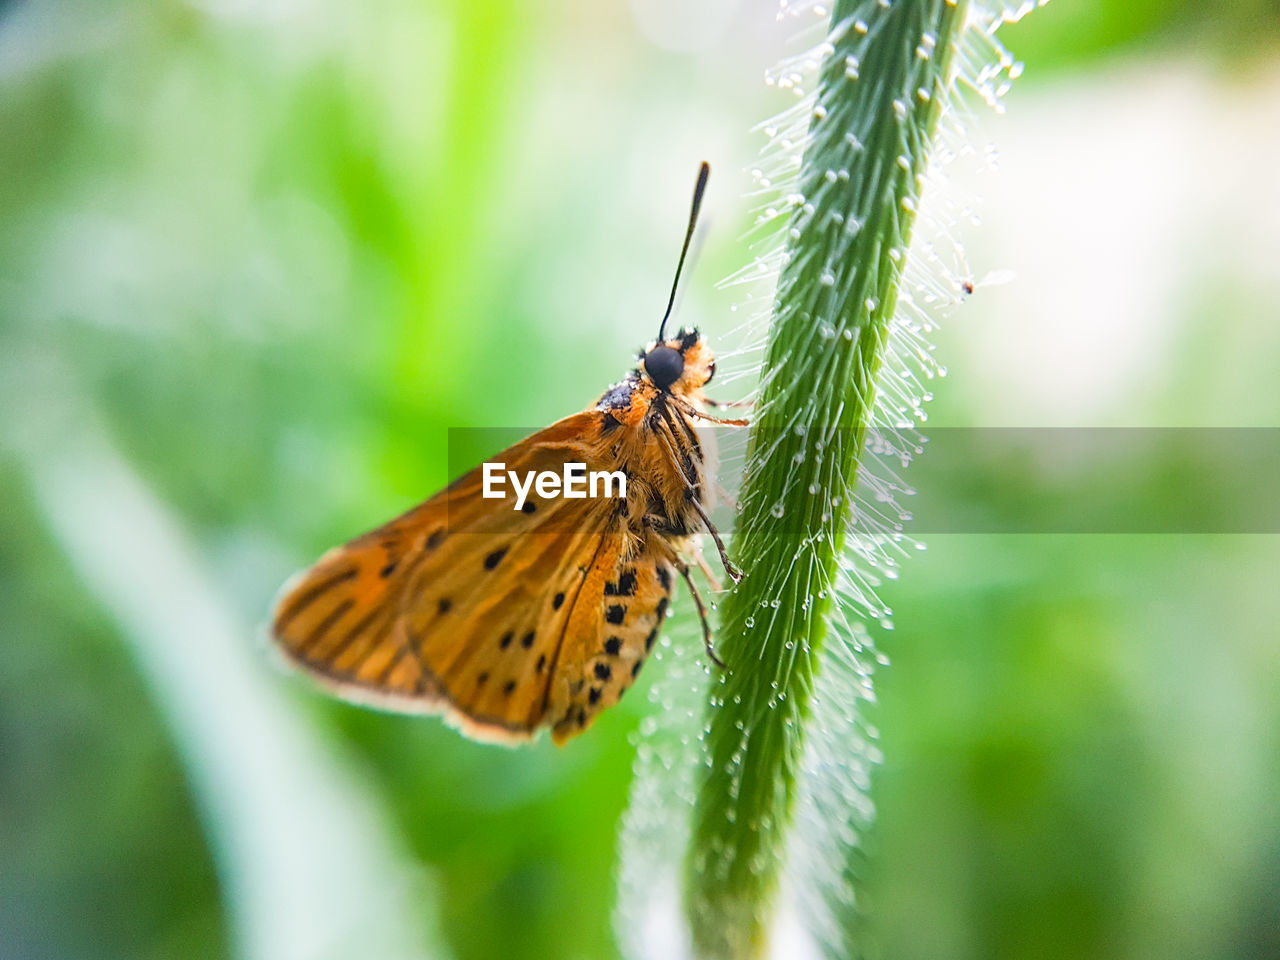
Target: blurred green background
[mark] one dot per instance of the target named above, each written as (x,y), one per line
(257,257)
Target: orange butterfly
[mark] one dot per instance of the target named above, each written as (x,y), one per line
(508,620)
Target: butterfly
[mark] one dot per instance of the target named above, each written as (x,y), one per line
(510,620)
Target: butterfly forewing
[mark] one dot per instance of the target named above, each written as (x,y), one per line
(463,604)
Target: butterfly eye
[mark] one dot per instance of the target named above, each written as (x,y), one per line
(711,372)
(664,366)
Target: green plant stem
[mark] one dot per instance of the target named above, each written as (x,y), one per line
(877,110)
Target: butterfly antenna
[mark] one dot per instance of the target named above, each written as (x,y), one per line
(703,172)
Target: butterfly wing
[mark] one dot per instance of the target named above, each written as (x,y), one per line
(463,605)
(625,599)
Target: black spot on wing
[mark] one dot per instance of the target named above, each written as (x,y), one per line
(506,639)
(495,558)
(613,646)
(603,672)
(615,613)
(664,577)
(624,587)
(445,605)
(527,640)
(557,601)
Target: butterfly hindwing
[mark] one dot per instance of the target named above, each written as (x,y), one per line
(621,615)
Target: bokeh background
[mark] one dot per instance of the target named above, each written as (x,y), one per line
(257,257)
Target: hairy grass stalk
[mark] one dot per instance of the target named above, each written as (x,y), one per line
(867,146)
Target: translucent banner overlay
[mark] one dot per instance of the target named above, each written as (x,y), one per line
(973,480)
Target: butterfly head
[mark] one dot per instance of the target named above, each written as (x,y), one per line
(682,365)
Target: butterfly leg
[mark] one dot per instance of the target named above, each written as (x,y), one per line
(726,423)
(725,496)
(691,495)
(696,551)
(702,610)
(734,573)
(689,410)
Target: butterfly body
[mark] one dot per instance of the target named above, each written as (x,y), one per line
(509,620)
(509,615)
